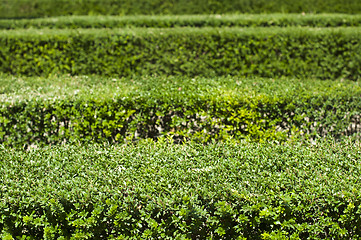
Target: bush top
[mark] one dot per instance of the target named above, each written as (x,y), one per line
(168,172)
(224,20)
(22,88)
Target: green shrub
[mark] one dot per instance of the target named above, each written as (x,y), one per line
(266,52)
(189,191)
(199,109)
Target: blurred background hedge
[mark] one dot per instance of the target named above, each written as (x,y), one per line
(47,8)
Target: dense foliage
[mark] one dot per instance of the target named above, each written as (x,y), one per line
(199,109)
(247,20)
(268,52)
(162,190)
(46,8)
(180,127)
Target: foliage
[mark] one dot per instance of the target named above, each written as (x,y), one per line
(188,191)
(266,52)
(47,8)
(228,20)
(200,109)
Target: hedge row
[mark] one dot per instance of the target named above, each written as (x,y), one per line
(191,112)
(47,8)
(267,52)
(166,191)
(260,20)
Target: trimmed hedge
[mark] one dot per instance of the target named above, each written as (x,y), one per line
(47,8)
(266,52)
(183,110)
(259,20)
(167,191)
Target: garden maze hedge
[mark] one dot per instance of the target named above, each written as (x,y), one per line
(331,53)
(185,191)
(213,126)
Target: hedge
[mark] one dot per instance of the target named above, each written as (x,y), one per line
(48,8)
(266,52)
(162,190)
(183,110)
(247,20)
